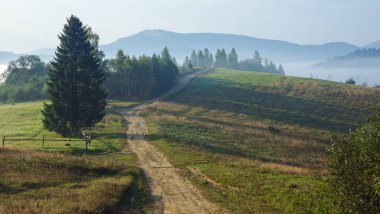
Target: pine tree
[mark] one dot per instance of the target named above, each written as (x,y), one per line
(77,97)
(217,63)
(208,58)
(257,58)
(211,61)
(233,59)
(200,59)
(280,70)
(193,59)
(221,59)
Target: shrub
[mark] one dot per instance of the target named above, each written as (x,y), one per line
(354,164)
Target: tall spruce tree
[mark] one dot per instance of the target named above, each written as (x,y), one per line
(233,61)
(75,83)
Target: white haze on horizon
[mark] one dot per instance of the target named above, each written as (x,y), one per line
(2,69)
(304,69)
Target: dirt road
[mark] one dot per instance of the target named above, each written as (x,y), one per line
(171,192)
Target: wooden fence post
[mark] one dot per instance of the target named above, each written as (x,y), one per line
(43,141)
(3,140)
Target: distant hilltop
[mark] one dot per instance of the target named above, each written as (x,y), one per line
(360,58)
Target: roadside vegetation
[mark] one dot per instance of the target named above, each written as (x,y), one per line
(256,142)
(354,165)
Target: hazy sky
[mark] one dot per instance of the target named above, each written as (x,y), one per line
(30,24)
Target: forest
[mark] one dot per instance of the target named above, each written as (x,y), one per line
(361,53)
(139,77)
(204,59)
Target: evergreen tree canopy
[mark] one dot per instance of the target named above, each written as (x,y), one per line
(257,58)
(233,59)
(77,97)
(204,59)
(194,58)
(221,59)
(141,77)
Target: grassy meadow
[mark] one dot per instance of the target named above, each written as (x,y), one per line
(62,177)
(256,142)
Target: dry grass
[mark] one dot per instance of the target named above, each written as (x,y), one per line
(240,136)
(255,142)
(59,178)
(40,182)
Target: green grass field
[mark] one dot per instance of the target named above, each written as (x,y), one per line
(255,142)
(59,178)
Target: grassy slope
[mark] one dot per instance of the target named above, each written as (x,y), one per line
(255,142)
(46,181)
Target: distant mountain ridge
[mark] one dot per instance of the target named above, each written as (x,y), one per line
(46,54)
(375,44)
(180,45)
(6,56)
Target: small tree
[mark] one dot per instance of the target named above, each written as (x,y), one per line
(233,61)
(280,70)
(354,165)
(77,97)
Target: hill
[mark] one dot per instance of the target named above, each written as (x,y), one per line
(180,45)
(255,142)
(6,56)
(375,44)
(360,58)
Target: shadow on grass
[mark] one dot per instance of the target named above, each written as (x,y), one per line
(109,135)
(215,94)
(89,151)
(137,198)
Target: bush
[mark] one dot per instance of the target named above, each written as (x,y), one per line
(354,164)
(350,81)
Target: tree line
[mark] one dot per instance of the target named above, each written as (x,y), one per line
(125,77)
(361,53)
(204,59)
(140,77)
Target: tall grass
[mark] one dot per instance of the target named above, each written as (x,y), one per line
(40,182)
(59,178)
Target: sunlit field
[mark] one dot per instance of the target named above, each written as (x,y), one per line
(256,142)
(59,178)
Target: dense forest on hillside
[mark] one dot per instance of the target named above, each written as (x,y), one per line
(360,58)
(361,53)
(204,59)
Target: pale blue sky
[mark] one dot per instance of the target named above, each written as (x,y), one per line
(30,24)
